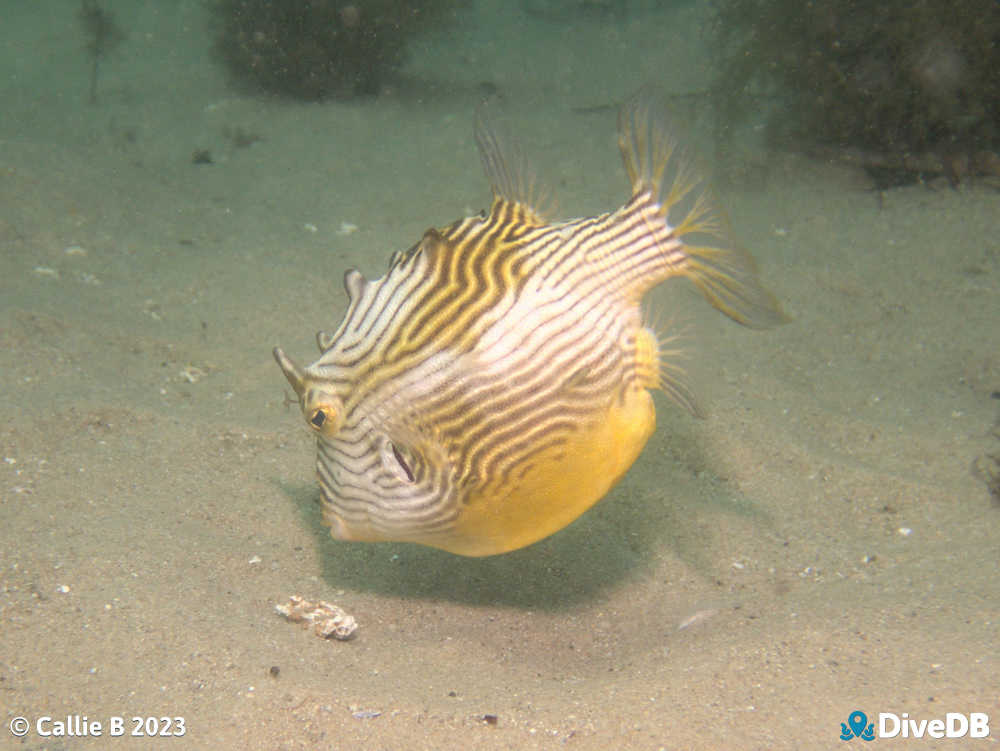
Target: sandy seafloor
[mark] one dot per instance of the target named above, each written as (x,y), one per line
(747,585)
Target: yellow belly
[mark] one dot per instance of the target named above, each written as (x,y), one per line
(560,485)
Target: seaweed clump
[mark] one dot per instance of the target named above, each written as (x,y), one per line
(890,78)
(317,49)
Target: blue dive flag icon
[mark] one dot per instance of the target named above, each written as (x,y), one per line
(857,727)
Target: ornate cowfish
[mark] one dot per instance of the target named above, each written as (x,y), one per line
(494,384)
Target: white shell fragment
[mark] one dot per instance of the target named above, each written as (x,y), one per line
(697,617)
(192,373)
(328,620)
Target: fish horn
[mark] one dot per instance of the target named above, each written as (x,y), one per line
(295,375)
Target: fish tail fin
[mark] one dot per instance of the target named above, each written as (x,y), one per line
(695,240)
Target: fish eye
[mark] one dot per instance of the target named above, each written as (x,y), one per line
(322,410)
(323,419)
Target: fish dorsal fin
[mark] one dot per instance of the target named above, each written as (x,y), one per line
(511,177)
(654,159)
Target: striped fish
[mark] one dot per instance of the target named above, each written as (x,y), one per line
(494,384)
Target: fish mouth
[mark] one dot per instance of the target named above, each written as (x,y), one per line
(293,372)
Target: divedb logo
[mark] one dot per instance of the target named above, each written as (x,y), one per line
(891,725)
